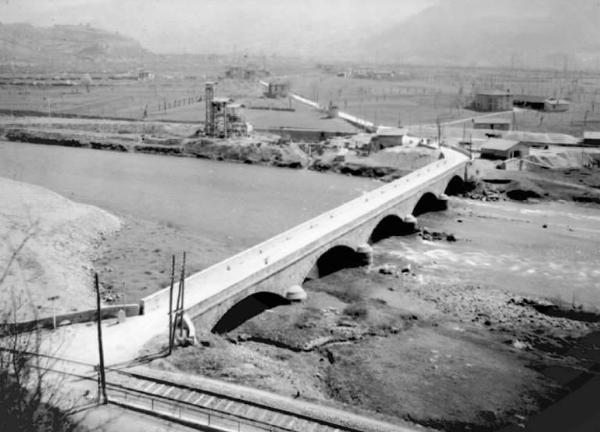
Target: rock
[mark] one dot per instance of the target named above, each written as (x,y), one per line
(406,269)
(450,238)
(545,226)
(520,345)
(387,269)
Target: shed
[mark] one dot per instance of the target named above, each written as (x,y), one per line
(387,137)
(503,149)
(556,105)
(278,89)
(492,124)
(591,139)
(530,101)
(493,100)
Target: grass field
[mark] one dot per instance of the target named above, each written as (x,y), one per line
(426,95)
(420,96)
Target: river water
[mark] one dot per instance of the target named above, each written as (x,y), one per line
(547,249)
(219,200)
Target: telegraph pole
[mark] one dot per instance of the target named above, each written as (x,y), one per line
(100,349)
(171,304)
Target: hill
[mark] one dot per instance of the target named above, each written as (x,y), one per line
(65,44)
(535,33)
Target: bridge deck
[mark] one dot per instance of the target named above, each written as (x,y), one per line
(274,253)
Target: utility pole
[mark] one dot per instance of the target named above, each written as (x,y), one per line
(171,304)
(53,299)
(182,288)
(100,349)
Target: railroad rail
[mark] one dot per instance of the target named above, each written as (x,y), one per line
(204,409)
(193,406)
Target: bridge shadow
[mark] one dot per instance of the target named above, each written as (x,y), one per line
(428,203)
(391,226)
(335,259)
(247,309)
(456,186)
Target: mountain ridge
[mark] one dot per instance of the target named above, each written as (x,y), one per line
(496,33)
(66,43)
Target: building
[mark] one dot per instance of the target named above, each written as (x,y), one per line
(591,139)
(492,124)
(144,75)
(245,73)
(494,100)
(276,90)
(387,137)
(556,105)
(530,101)
(495,148)
(223,117)
(541,103)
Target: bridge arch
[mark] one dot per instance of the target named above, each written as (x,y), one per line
(335,259)
(428,202)
(247,308)
(455,186)
(390,226)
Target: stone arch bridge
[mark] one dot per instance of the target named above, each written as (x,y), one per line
(273,271)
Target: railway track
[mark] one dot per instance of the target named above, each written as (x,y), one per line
(195,406)
(210,409)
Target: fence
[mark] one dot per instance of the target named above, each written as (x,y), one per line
(185,413)
(72,318)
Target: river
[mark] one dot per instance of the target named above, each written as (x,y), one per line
(220,200)
(547,249)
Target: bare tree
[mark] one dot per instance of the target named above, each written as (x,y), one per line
(28,399)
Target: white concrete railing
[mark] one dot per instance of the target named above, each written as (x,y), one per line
(265,256)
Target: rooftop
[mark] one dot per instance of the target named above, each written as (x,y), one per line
(557,101)
(498,144)
(591,135)
(222,100)
(492,121)
(542,138)
(493,93)
(530,98)
(390,131)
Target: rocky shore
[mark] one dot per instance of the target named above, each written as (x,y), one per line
(422,337)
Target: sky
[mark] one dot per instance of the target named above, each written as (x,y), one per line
(222,25)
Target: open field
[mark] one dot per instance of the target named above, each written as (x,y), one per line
(423,95)
(417,96)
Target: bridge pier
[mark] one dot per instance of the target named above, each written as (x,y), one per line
(411,222)
(295,294)
(365,255)
(443,201)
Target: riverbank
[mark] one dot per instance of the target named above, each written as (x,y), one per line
(183,140)
(47,249)
(471,334)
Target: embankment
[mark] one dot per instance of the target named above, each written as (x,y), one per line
(174,139)
(47,246)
